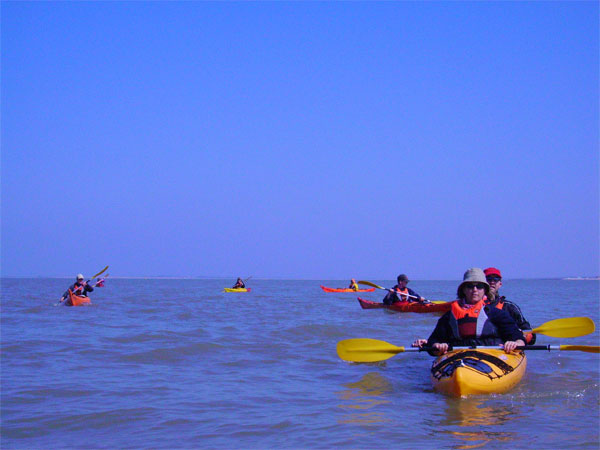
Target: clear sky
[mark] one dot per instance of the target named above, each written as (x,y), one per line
(300,140)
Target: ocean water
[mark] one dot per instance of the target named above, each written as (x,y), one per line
(159,363)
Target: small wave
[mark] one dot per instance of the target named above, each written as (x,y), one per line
(168,355)
(314,331)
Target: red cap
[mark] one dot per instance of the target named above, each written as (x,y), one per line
(492,271)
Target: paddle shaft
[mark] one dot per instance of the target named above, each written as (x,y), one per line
(368,283)
(480,347)
(382,350)
(521,347)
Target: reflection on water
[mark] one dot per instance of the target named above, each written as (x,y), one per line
(360,397)
(474,411)
(482,414)
(479,439)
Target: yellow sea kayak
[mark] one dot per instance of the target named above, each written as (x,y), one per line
(237,289)
(461,373)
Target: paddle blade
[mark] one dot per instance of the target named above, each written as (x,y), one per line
(567,328)
(368,283)
(100,273)
(581,348)
(366,350)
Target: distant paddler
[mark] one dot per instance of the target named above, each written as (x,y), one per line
(80,288)
(239,284)
(78,291)
(402,293)
(353,285)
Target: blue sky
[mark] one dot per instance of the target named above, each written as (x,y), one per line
(300,140)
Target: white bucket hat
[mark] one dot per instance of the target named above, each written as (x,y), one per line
(473,275)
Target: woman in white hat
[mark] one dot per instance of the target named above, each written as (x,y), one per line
(471,322)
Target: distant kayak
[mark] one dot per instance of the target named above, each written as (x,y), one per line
(416,307)
(78,300)
(461,373)
(237,289)
(328,289)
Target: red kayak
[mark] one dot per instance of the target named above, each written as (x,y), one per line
(415,307)
(327,289)
(78,300)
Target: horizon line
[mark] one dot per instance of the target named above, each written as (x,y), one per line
(179,277)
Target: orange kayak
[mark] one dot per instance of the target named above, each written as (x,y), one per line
(407,306)
(328,289)
(77,300)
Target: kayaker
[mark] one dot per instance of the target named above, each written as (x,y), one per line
(353,285)
(239,284)
(471,322)
(402,293)
(494,279)
(80,288)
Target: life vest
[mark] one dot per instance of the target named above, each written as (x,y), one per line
(402,294)
(471,322)
(354,286)
(78,290)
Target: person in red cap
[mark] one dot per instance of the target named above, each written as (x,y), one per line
(494,279)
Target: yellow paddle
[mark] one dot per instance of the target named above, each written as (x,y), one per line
(368,283)
(373,350)
(566,328)
(369,350)
(100,273)
(577,348)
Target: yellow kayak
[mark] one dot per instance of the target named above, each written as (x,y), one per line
(461,373)
(237,289)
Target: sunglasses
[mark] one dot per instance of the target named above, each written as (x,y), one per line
(475,285)
(493,278)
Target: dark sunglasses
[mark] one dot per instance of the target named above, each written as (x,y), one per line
(493,278)
(475,285)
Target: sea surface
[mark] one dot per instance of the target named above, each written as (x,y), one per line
(157,363)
